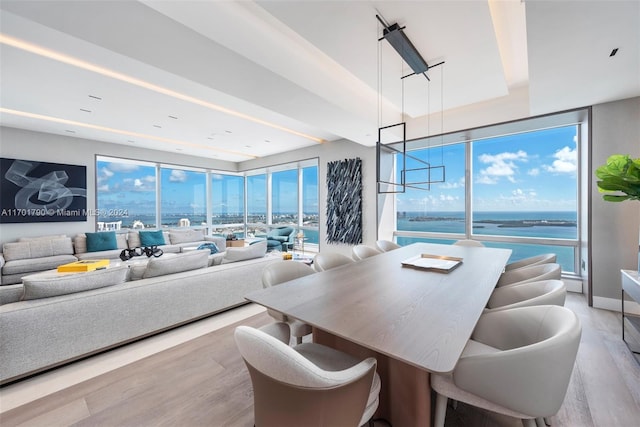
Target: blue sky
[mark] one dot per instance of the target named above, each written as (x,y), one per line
(534,171)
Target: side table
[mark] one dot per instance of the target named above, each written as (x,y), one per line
(631,322)
(238,243)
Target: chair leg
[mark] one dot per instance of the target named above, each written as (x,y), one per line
(298,340)
(547,420)
(529,422)
(540,422)
(441,410)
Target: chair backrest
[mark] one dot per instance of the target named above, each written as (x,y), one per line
(545,292)
(534,260)
(532,273)
(290,390)
(363,251)
(387,245)
(326,261)
(284,271)
(531,373)
(467,242)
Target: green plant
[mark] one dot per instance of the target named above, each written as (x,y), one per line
(621,173)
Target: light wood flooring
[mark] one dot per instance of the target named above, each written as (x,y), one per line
(203,382)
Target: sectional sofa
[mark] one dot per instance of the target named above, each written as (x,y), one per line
(52,319)
(30,255)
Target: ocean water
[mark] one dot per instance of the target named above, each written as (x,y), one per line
(559,225)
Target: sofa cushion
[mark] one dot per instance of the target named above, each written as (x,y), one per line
(151,238)
(185,236)
(176,263)
(101,241)
(216,259)
(32,265)
(47,286)
(37,248)
(55,236)
(11,293)
(256,250)
(80,243)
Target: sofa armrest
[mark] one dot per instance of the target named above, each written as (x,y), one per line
(1,260)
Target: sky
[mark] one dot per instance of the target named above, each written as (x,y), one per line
(534,171)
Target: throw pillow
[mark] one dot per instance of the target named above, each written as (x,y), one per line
(257,250)
(211,246)
(101,241)
(63,284)
(151,238)
(176,264)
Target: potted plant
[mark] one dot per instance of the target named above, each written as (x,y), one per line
(619,179)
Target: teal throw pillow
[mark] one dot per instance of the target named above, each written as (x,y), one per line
(101,241)
(211,246)
(151,238)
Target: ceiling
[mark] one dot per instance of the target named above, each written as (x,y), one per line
(240,80)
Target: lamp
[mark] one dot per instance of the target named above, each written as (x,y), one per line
(392,154)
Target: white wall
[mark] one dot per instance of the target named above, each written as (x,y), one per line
(614,226)
(27,145)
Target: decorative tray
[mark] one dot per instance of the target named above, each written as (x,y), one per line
(437,263)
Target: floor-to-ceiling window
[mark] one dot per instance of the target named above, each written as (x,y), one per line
(310,206)
(284,197)
(183,197)
(521,192)
(256,205)
(227,204)
(126,194)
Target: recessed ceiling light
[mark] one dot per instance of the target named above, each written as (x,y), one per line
(95,97)
(57,56)
(173,117)
(267,141)
(228,131)
(131,141)
(157,126)
(247,146)
(70,131)
(613,52)
(85,110)
(210,137)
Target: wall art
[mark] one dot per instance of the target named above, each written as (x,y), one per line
(42,192)
(344,201)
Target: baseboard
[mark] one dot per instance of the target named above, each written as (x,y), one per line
(573,285)
(614,304)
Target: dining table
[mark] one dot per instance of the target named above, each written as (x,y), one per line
(414,319)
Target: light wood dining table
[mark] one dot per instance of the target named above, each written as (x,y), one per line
(413,321)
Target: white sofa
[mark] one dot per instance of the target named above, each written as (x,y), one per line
(47,322)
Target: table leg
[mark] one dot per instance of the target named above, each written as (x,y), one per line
(405,396)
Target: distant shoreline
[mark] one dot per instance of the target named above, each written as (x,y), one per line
(520,223)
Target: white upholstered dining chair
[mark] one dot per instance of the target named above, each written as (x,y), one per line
(532,273)
(360,252)
(517,363)
(534,260)
(280,272)
(326,261)
(307,385)
(387,245)
(544,292)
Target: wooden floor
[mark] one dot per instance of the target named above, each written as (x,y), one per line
(204,383)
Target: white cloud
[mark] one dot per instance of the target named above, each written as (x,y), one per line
(123,167)
(566,161)
(500,166)
(533,172)
(138,183)
(178,175)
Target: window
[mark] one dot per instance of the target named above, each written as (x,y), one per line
(227,195)
(522,195)
(284,197)
(183,198)
(126,193)
(310,208)
(256,205)
(442,209)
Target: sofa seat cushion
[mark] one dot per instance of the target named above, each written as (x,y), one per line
(37,248)
(113,254)
(175,264)
(31,265)
(11,293)
(45,285)
(257,250)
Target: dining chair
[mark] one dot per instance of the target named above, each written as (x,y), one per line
(533,273)
(307,385)
(326,261)
(534,260)
(387,245)
(360,252)
(280,272)
(468,242)
(518,363)
(544,292)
